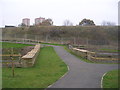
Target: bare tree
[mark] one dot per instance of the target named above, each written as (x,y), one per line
(67,23)
(108,23)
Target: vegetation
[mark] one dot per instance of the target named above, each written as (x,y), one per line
(67,23)
(14,45)
(109,50)
(110,80)
(8,47)
(46,71)
(89,36)
(86,22)
(47,22)
(107,34)
(108,23)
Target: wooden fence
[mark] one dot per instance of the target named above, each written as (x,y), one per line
(96,56)
(8,63)
(27,60)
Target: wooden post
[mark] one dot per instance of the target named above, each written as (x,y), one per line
(46,38)
(74,40)
(12,67)
(12,62)
(19,58)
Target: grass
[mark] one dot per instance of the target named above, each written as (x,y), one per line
(7,48)
(15,45)
(48,69)
(110,80)
(109,50)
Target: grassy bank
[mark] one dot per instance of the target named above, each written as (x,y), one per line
(110,50)
(14,45)
(7,48)
(48,69)
(110,80)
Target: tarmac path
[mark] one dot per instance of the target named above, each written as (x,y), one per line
(80,74)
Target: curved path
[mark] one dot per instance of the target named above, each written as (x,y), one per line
(81,74)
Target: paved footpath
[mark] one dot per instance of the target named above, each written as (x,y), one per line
(81,74)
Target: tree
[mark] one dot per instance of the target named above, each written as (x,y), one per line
(22,25)
(108,23)
(68,23)
(47,22)
(86,22)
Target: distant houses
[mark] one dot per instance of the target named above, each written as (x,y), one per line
(38,22)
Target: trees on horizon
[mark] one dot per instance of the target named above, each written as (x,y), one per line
(86,22)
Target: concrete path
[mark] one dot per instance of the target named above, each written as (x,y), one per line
(81,74)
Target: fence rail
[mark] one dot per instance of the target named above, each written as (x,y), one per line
(27,60)
(10,55)
(104,58)
(96,56)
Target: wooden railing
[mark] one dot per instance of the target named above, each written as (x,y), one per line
(95,56)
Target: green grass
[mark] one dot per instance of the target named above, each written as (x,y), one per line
(110,80)
(7,48)
(14,45)
(109,50)
(48,69)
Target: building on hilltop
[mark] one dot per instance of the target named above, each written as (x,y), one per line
(26,21)
(39,20)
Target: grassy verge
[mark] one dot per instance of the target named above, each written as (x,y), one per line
(14,45)
(48,69)
(109,50)
(110,80)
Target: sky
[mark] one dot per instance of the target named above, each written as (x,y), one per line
(13,11)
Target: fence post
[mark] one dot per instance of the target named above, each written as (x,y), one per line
(12,62)
(46,38)
(74,40)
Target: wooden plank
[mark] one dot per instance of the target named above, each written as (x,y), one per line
(11,55)
(81,50)
(105,58)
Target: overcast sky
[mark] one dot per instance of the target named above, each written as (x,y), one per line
(13,11)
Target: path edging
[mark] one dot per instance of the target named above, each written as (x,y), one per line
(102,79)
(60,77)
